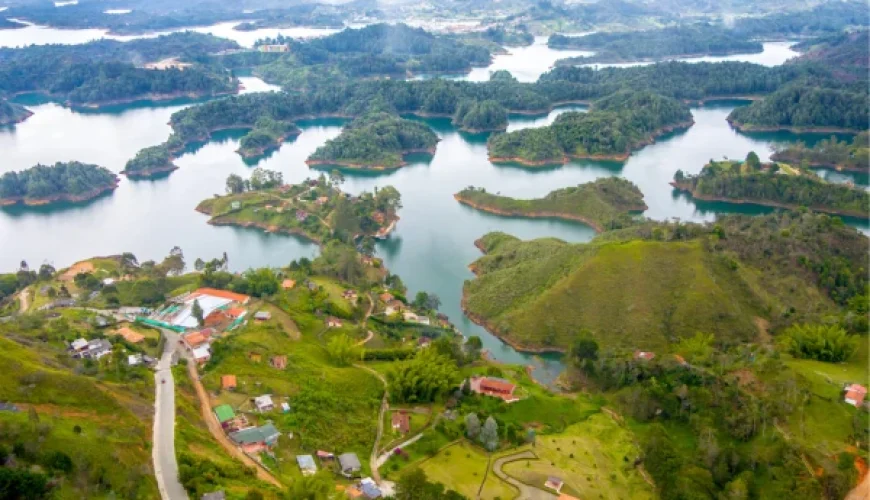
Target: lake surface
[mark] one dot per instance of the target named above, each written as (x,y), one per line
(433,243)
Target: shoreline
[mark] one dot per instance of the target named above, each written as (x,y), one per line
(37,202)
(532,215)
(364,166)
(765,203)
(150,173)
(27,114)
(821,164)
(479,321)
(743,127)
(256,153)
(144,98)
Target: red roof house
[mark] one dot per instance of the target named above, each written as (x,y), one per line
(855,394)
(401,422)
(492,386)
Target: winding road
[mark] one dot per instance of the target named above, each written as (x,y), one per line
(163,452)
(526,492)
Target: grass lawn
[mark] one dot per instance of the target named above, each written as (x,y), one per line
(462,467)
(334,289)
(594,458)
(426,447)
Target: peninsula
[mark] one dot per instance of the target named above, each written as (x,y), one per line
(62,182)
(841,155)
(615,126)
(772,184)
(376,141)
(267,135)
(150,162)
(603,204)
(315,209)
(11,113)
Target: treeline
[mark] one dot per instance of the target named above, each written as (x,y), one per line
(854,155)
(615,126)
(376,140)
(63,179)
(480,116)
(805,105)
(699,40)
(150,161)
(767,183)
(842,50)
(374,51)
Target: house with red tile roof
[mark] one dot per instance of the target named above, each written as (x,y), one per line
(228,382)
(401,422)
(493,386)
(855,394)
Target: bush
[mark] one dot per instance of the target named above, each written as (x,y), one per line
(828,343)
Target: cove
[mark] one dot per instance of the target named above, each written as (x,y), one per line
(434,240)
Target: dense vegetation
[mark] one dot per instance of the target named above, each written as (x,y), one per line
(482,116)
(69,181)
(842,50)
(150,161)
(663,43)
(773,184)
(615,126)
(267,134)
(376,140)
(829,343)
(826,17)
(647,286)
(807,106)
(854,155)
(11,112)
(604,203)
(374,51)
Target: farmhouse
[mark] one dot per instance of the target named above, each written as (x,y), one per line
(256,439)
(228,382)
(333,322)
(401,422)
(393,307)
(288,284)
(264,403)
(349,464)
(410,317)
(855,394)
(493,386)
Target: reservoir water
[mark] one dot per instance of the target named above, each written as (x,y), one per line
(433,243)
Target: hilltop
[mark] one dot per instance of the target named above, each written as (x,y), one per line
(650,285)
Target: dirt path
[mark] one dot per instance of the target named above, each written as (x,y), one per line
(526,492)
(862,491)
(368,337)
(385,405)
(23,301)
(215,428)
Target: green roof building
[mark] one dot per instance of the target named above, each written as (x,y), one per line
(224,413)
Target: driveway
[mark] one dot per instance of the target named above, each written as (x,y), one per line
(163,453)
(526,492)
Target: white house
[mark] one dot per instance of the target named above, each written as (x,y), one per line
(264,403)
(201,354)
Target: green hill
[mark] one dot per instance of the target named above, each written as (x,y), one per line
(647,286)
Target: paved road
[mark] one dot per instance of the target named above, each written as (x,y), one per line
(163,454)
(526,492)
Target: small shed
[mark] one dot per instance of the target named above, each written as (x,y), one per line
(306,464)
(264,403)
(554,483)
(349,464)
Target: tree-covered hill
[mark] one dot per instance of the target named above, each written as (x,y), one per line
(267,135)
(681,41)
(854,155)
(69,181)
(149,162)
(647,286)
(376,140)
(12,113)
(772,184)
(604,203)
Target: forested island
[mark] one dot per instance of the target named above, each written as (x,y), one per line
(150,162)
(12,113)
(108,72)
(480,116)
(315,209)
(772,184)
(652,45)
(376,141)
(267,135)
(653,283)
(611,130)
(62,182)
(841,155)
(807,107)
(606,203)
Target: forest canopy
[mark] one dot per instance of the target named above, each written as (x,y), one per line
(63,180)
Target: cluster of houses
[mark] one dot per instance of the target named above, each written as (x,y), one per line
(89,349)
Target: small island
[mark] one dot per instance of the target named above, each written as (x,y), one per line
(376,141)
(615,126)
(62,182)
(773,185)
(315,209)
(606,203)
(150,162)
(11,113)
(842,155)
(654,45)
(267,135)
(480,116)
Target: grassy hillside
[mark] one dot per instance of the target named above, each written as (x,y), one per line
(86,425)
(649,286)
(602,203)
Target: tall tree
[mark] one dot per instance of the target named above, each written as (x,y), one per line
(489,434)
(472,425)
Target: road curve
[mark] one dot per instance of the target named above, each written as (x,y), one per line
(163,451)
(526,492)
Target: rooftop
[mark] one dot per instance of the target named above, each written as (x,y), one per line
(224,413)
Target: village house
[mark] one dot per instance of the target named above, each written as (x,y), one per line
(493,386)
(201,354)
(394,307)
(333,322)
(256,439)
(262,316)
(196,339)
(288,284)
(401,422)
(94,349)
(350,295)
(264,403)
(306,464)
(644,355)
(301,215)
(855,394)
(228,382)
(554,483)
(369,488)
(279,362)
(349,464)
(325,456)
(411,317)
(224,414)
(386,297)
